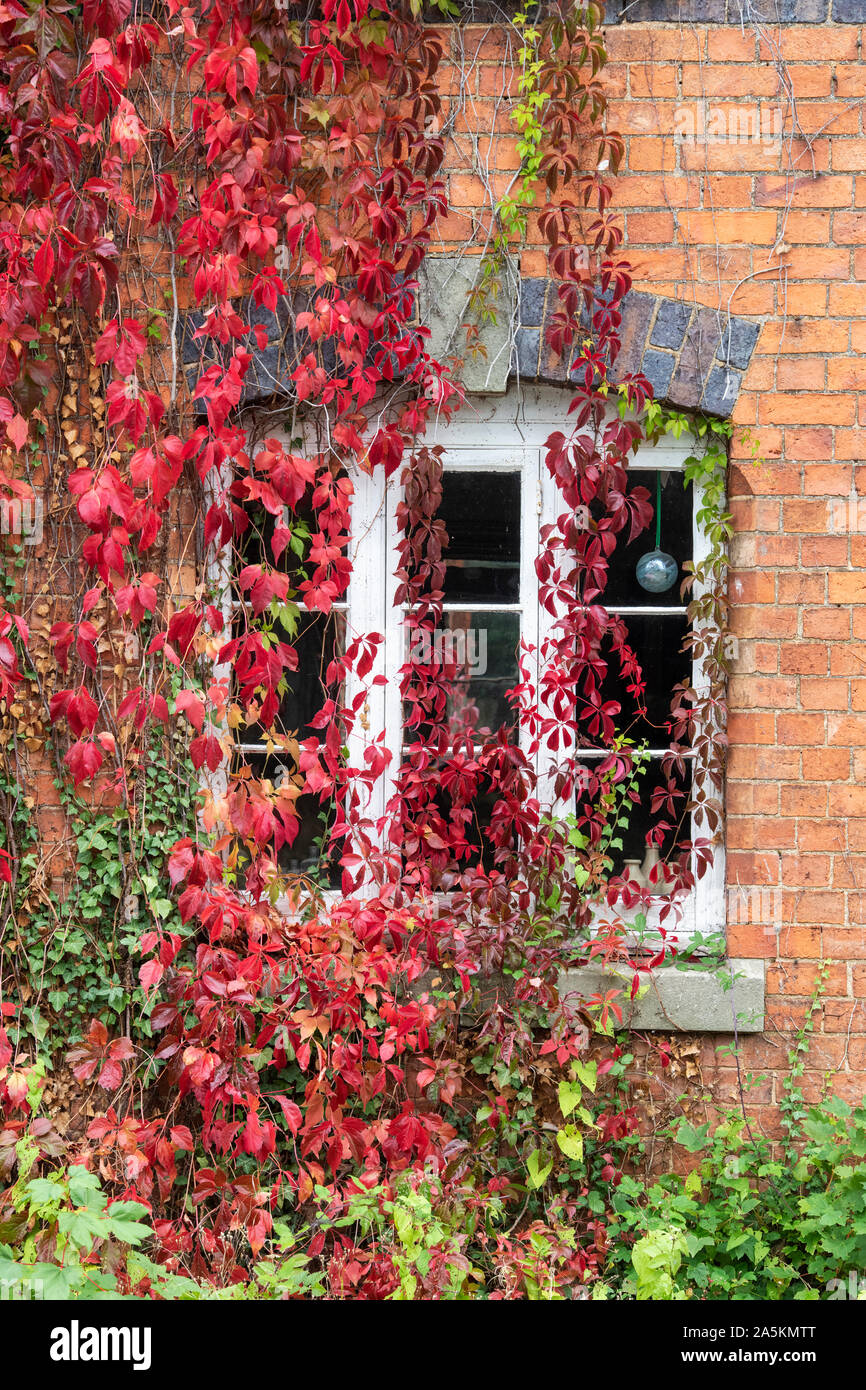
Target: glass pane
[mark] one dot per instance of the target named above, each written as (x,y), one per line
(256,545)
(481,512)
(640,819)
(676,540)
(308,854)
(320,638)
(479,653)
(656,640)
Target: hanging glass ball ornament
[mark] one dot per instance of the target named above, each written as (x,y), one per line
(656,571)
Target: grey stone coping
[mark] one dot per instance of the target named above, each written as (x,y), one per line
(686,1001)
(693,357)
(734,11)
(445,285)
(669,1001)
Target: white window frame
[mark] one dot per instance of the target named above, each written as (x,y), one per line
(528,414)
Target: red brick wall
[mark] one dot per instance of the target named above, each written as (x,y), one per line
(701,224)
(773,230)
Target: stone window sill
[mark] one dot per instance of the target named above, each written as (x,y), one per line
(683,1001)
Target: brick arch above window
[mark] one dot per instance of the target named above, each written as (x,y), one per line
(694,357)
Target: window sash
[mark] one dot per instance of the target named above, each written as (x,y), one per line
(370,601)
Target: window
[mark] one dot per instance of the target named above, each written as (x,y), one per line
(497,494)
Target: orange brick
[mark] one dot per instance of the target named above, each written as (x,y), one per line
(795,730)
(646,153)
(730,46)
(847,801)
(816,263)
(851,81)
(653,80)
(848,301)
(818,835)
(804,870)
(730,228)
(804,191)
(804,514)
(829,765)
(805,299)
(820,692)
(758,869)
(763,833)
(848,659)
(793,978)
(501,80)
(846,374)
(614,77)
(715,156)
(827,480)
(765,658)
(754,586)
(730,191)
(724,80)
(650,227)
(821,907)
(748,760)
(753,692)
(809,79)
(846,588)
(805,335)
(828,118)
(824,550)
(803,658)
(810,227)
(752,298)
(845,1016)
(801,374)
(656,191)
(807,409)
(761,621)
(632,44)
(752,798)
(846,730)
(847,154)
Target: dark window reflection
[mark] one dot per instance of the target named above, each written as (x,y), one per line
(477,654)
(656,640)
(481,512)
(676,538)
(308,854)
(640,819)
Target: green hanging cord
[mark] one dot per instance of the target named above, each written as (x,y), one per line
(658,510)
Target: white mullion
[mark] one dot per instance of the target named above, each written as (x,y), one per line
(649,610)
(530,501)
(219,574)
(709,893)
(395,650)
(551,506)
(366,595)
(471,607)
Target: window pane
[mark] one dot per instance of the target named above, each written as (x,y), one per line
(656,640)
(308,854)
(320,638)
(481,512)
(676,539)
(478,652)
(640,819)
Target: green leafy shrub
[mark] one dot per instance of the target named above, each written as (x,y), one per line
(745,1225)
